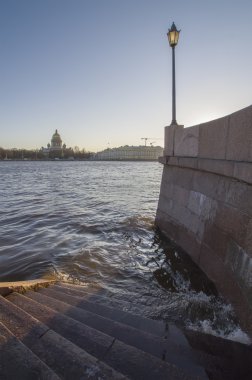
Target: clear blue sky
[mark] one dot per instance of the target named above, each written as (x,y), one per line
(100,70)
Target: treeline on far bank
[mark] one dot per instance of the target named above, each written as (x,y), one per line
(36,154)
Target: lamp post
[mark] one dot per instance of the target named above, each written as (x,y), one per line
(173,37)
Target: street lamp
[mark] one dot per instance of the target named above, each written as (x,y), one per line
(173,37)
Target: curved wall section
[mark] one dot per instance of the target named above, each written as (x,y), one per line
(205,202)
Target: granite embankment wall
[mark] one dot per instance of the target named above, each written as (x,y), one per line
(205,202)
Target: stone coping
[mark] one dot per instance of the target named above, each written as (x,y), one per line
(22,286)
(227,138)
(241,171)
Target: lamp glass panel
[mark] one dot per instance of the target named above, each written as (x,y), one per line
(173,37)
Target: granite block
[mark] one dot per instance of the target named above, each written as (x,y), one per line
(187,142)
(213,138)
(239,139)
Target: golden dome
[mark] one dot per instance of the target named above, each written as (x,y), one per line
(56,141)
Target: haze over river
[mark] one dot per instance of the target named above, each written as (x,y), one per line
(93,222)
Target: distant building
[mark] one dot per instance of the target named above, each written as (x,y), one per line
(56,148)
(56,142)
(130,153)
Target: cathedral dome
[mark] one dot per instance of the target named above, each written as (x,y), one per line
(56,141)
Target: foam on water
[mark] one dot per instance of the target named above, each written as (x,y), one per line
(207,327)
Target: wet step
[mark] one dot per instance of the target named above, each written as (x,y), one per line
(75,334)
(99,295)
(82,300)
(216,364)
(146,305)
(167,349)
(127,359)
(66,359)
(17,361)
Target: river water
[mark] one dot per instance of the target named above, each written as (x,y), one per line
(93,223)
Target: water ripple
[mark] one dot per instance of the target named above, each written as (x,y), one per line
(94,222)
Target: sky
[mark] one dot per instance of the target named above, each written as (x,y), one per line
(100,71)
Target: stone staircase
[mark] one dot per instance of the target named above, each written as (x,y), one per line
(62,331)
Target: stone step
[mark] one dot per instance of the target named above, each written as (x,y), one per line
(146,300)
(145,305)
(163,348)
(78,315)
(101,296)
(126,359)
(21,286)
(17,361)
(154,327)
(62,356)
(217,365)
(145,310)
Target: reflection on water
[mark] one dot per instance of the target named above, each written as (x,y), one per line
(94,222)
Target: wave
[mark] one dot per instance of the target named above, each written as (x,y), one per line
(92,224)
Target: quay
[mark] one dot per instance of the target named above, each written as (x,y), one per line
(205,202)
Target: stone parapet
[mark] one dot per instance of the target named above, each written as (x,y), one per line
(240,171)
(227,138)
